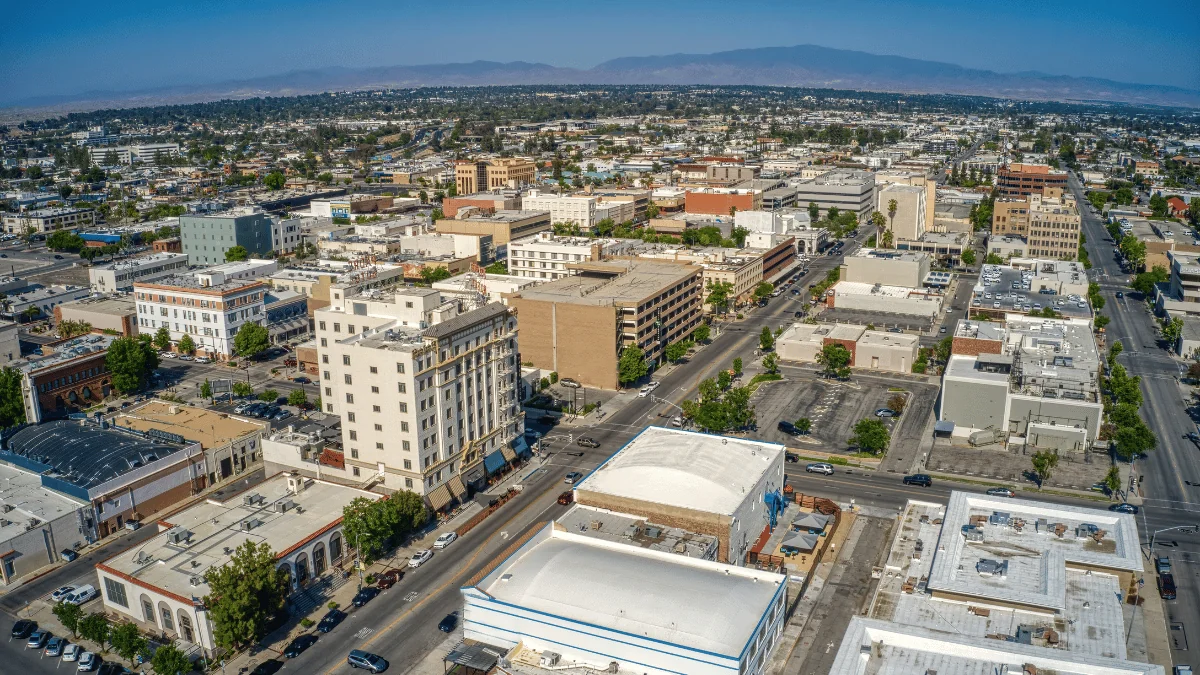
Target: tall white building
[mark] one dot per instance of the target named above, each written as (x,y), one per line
(427,390)
(210,313)
(122,274)
(546,256)
(581,211)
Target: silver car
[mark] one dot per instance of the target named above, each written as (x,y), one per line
(820,467)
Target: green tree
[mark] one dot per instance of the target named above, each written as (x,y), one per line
(297,397)
(206,389)
(1145,282)
(237,254)
(1112,479)
(95,627)
(187,345)
(871,436)
(162,339)
(702,333)
(941,350)
(993,259)
(244,594)
(368,527)
(69,615)
(893,206)
(766,340)
(71,328)
(737,366)
(724,380)
(170,660)
(968,257)
(1158,205)
(632,365)
(771,363)
(835,358)
(814,212)
(498,267)
(432,274)
(739,414)
(803,425)
(879,222)
(130,360)
(268,395)
(1134,441)
(718,295)
(1134,250)
(242,389)
(325,177)
(251,339)
(12,406)
(1044,462)
(1172,330)
(275,180)
(676,351)
(127,641)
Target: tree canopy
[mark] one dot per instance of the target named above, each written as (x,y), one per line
(871,436)
(370,525)
(251,339)
(836,360)
(632,365)
(244,594)
(237,254)
(131,361)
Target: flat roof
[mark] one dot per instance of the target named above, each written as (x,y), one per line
(685,469)
(112,306)
(30,500)
(1038,540)
(84,454)
(636,531)
(621,282)
(209,428)
(864,288)
(142,261)
(882,338)
(871,646)
(216,531)
(84,345)
(192,282)
(649,594)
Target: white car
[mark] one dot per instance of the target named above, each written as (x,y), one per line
(169,355)
(203,359)
(61,593)
(81,595)
(87,662)
(445,540)
(420,558)
(72,652)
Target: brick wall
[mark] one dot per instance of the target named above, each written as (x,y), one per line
(699,522)
(850,345)
(579,341)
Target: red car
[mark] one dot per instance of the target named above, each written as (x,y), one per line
(389,578)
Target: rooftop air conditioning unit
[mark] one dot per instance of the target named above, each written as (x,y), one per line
(283,506)
(252,499)
(549,659)
(178,536)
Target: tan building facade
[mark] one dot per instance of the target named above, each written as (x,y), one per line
(1053,229)
(492,174)
(504,226)
(912,210)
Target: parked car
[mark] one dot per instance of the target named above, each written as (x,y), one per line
(1162,564)
(448,624)
(820,467)
(885,412)
(268,667)
(301,380)
(921,479)
(88,662)
(297,646)
(1166,586)
(1001,492)
(330,621)
(111,668)
(389,578)
(203,359)
(1124,508)
(445,540)
(645,391)
(549,420)
(568,382)
(365,595)
(38,639)
(567,497)
(375,663)
(71,653)
(81,595)
(573,478)
(420,558)
(788,428)
(61,592)
(55,646)
(587,442)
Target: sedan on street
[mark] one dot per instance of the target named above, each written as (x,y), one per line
(820,467)
(330,621)
(364,596)
(573,478)
(297,646)
(587,442)
(420,558)
(445,540)
(1001,492)
(1124,508)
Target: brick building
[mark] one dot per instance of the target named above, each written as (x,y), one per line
(72,377)
(1022,180)
(719,202)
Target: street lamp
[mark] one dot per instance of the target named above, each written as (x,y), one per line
(1193,528)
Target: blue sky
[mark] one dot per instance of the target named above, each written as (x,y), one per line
(67,47)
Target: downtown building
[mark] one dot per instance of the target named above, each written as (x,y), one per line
(426,389)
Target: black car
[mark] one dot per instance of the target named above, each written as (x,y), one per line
(23,629)
(447,625)
(68,554)
(788,428)
(365,595)
(330,621)
(298,645)
(267,667)
(110,668)
(1124,508)
(1120,294)
(920,479)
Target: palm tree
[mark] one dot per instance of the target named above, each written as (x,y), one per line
(892,206)
(879,222)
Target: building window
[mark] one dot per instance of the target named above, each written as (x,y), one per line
(374,390)
(147,610)
(399,367)
(408,483)
(345,359)
(379,446)
(408,464)
(356,471)
(374,370)
(347,378)
(168,622)
(349,417)
(403,407)
(374,408)
(378,427)
(353,451)
(115,592)
(353,435)
(349,398)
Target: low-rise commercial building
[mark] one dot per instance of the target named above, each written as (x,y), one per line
(722,201)
(844,189)
(10,343)
(483,202)
(39,301)
(117,315)
(890,268)
(37,524)
(885,299)
(161,586)
(48,219)
(121,275)
(73,376)
(350,206)
(207,238)
(869,349)
(578,325)
(1033,380)
(546,255)
(503,226)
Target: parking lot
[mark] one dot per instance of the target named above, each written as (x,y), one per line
(1011,290)
(833,407)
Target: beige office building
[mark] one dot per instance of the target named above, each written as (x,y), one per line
(914,178)
(493,174)
(912,211)
(504,226)
(1053,229)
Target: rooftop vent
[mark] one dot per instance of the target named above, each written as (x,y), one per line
(992,568)
(249,524)
(284,505)
(252,499)
(178,536)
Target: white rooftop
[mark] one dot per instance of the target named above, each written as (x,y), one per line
(23,491)
(881,648)
(685,469)
(662,596)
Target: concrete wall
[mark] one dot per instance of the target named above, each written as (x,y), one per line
(36,548)
(700,522)
(896,358)
(803,351)
(889,272)
(974,405)
(918,306)
(577,341)
(1063,412)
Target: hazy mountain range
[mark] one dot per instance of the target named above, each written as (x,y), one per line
(799,66)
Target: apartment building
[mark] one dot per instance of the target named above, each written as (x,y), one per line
(121,275)
(845,189)
(48,219)
(576,210)
(493,174)
(721,201)
(578,325)
(207,238)
(546,255)
(912,210)
(426,389)
(1022,180)
(503,226)
(210,313)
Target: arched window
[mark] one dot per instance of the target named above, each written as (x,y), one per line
(335,547)
(318,559)
(148,610)
(168,622)
(185,627)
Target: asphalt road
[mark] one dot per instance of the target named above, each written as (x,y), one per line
(1171,486)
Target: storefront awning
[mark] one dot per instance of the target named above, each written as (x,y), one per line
(457,488)
(439,498)
(521,447)
(474,475)
(493,462)
(509,453)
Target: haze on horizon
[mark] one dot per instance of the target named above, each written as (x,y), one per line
(72,47)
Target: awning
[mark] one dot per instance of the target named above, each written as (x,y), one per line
(943,427)
(800,542)
(493,462)
(478,656)
(522,447)
(815,522)
(439,498)
(475,475)
(457,488)
(509,454)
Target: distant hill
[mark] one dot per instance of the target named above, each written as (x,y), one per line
(799,66)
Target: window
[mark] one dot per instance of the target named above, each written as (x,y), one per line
(374,370)
(147,610)
(408,483)
(356,471)
(346,377)
(403,389)
(326,374)
(345,359)
(405,444)
(322,325)
(328,391)
(349,398)
(379,446)
(374,390)
(324,358)
(349,417)
(404,407)
(324,342)
(168,622)
(353,435)
(408,464)
(350,328)
(399,367)
(337,327)
(353,451)
(375,408)
(115,591)
(404,426)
